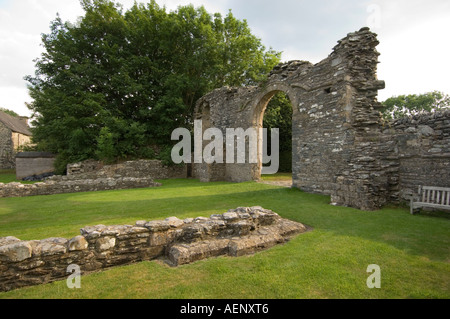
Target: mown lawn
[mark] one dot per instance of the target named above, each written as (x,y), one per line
(413,252)
(280,177)
(9,176)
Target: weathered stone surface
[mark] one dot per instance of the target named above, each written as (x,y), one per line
(261,240)
(181,254)
(105,243)
(141,223)
(243,238)
(193,232)
(230,216)
(78,243)
(91,169)
(341,145)
(92,176)
(49,246)
(288,228)
(15,252)
(162,238)
(158,225)
(8,240)
(174,222)
(335,112)
(418,153)
(30,265)
(61,184)
(241,231)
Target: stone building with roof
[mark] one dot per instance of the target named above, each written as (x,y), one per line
(14,132)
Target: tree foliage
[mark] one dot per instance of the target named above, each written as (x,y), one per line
(115,83)
(407,105)
(278,114)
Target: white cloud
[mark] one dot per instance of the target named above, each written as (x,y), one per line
(414,47)
(21,25)
(15,96)
(294,53)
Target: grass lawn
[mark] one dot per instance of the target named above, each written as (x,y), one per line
(280,177)
(9,175)
(331,261)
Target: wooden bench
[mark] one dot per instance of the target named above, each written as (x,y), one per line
(432,197)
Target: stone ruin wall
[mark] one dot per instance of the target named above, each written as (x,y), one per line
(139,168)
(238,232)
(419,153)
(92,176)
(335,123)
(6,148)
(62,185)
(341,146)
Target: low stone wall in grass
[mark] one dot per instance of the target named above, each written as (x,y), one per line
(140,168)
(92,175)
(238,232)
(62,184)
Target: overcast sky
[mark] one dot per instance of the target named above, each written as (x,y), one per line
(415,45)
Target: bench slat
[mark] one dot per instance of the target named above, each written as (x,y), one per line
(420,204)
(434,197)
(435,188)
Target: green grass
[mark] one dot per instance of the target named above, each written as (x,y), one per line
(9,176)
(277,177)
(328,262)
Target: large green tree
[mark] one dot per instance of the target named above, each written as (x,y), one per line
(406,105)
(116,83)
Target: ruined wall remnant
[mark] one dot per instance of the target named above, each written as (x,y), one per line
(6,148)
(155,169)
(340,145)
(419,153)
(62,185)
(89,176)
(336,123)
(238,232)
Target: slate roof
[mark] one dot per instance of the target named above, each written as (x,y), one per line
(15,124)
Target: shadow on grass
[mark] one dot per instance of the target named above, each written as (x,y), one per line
(434,214)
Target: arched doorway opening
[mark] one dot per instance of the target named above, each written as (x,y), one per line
(275,111)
